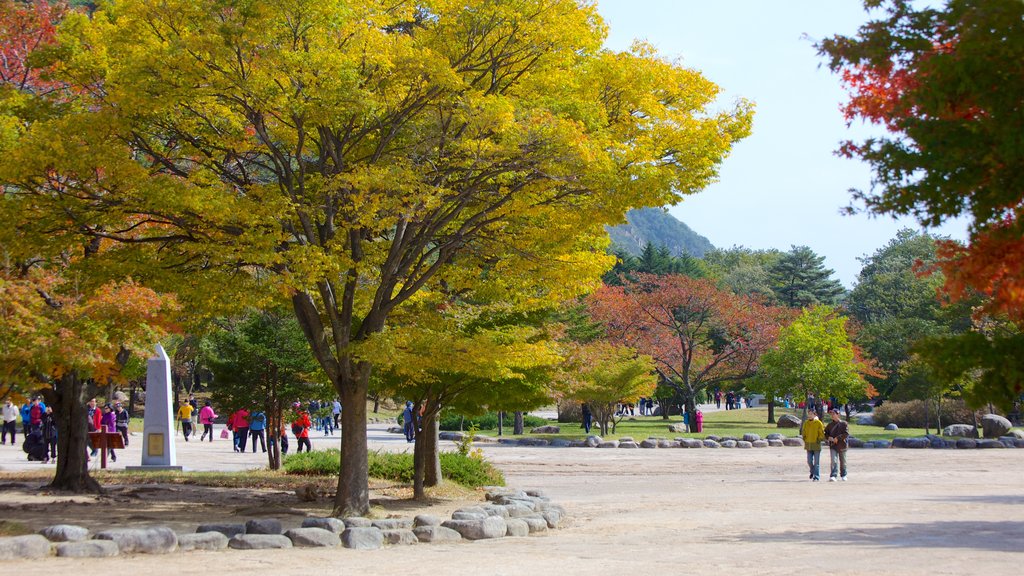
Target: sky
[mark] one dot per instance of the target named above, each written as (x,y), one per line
(782,186)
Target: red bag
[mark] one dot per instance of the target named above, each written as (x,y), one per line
(224,433)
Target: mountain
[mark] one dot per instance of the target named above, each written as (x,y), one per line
(658,227)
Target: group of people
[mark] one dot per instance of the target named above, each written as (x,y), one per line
(250,427)
(38,426)
(835,434)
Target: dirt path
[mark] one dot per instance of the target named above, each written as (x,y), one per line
(686,511)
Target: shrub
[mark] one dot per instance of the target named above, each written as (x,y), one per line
(911,414)
(465,470)
(488,421)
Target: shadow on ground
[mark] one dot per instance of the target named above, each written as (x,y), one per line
(988,535)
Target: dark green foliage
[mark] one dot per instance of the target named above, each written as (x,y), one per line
(799,279)
(656,226)
(744,271)
(468,471)
(653,260)
(488,421)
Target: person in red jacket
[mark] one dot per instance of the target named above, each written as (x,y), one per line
(300,428)
(239,424)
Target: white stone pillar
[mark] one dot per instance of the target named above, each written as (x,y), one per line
(158,451)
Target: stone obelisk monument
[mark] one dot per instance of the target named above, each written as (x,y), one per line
(158,451)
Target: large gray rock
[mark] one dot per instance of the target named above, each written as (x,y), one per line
(751,437)
(854,442)
(496,510)
(774,436)
(648,443)
(990,443)
(436,534)
(691,443)
(775,443)
(677,428)
(516,528)
(311,537)
(156,540)
(536,523)
(88,549)
(202,541)
(552,517)
(1018,434)
(545,430)
(627,444)
(663,443)
(1008,441)
(964,430)
(730,443)
(594,441)
(761,443)
(788,421)
(561,443)
(994,426)
(400,536)
(891,427)
(967,443)
(609,444)
(260,542)
(362,538)
(263,526)
(228,530)
(795,441)
(576,444)
(866,419)
(30,546)
(64,533)
(331,524)
(490,527)
(394,523)
(425,520)
(357,522)
(709,443)
(744,444)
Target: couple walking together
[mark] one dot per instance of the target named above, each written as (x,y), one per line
(836,433)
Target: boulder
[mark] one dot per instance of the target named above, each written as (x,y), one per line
(156,540)
(795,441)
(425,520)
(64,533)
(397,523)
(30,546)
(561,443)
(536,523)
(627,444)
(228,530)
(490,527)
(368,538)
(728,443)
(709,443)
(990,443)
(261,541)
(609,444)
(963,430)
(866,419)
(202,541)
(90,549)
(456,436)
(967,443)
(854,442)
(744,444)
(463,515)
(648,443)
(437,534)
(496,510)
(594,441)
(356,522)
(713,438)
(1008,441)
(916,443)
(690,443)
(517,528)
(663,443)
(263,526)
(1018,434)
(577,444)
(552,517)
(994,426)
(891,427)
(311,537)
(400,537)
(775,443)
(677,428)
(331,524)
(879,444)
(788,421)
(534,442)
(759,443)
(545,430)
(774,436)
(751,437)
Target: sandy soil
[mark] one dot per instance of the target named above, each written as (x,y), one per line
(638,512)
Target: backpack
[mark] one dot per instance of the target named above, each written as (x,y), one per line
(296,428)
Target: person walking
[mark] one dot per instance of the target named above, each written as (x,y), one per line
(813,432)
(185,416)
(336,412)
(588,417)
(836,433)
(409,422)
(195,413)
(121,418)
(11,415)
(206,418)
(257,427)
(108,423)
(300,428)
(239,423)
(49,435)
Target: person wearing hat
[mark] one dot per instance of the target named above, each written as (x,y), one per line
(837,432)
(813,432)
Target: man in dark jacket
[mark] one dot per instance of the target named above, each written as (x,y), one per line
(836,433)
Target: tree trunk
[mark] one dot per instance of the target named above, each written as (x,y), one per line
(927,416)
(691,411)
(353,495)
(517,427)
(501,423)
(771,411)
(273,429)
(431,454)
(376,403)
(72,473)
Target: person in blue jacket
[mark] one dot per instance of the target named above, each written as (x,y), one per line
(257,426)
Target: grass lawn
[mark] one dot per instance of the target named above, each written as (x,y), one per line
(722,423)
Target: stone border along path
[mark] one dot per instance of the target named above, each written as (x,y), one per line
(507,513)
(1015,440)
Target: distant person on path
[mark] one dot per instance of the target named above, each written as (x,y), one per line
(718,399)
(239,423)
(300,429)
(409,422)
(11,415)
(108,423)
(257,425)
(336,412)
(206,418)
(185,415)
(813,432)
(588,418)
(837,432)
(49,435)
(121,418)
(92,422)
(195,413)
